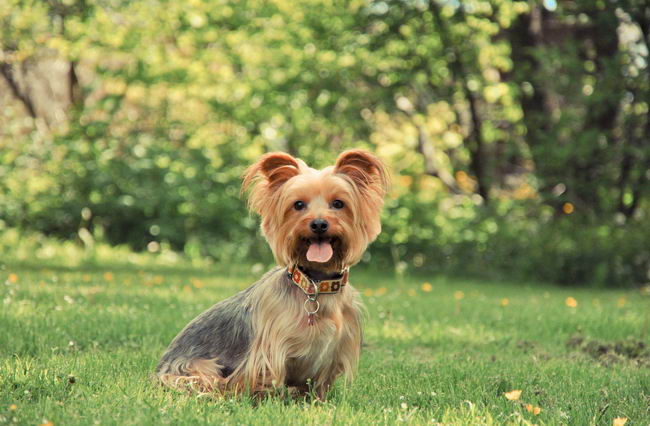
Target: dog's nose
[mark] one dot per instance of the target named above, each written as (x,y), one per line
(318,226)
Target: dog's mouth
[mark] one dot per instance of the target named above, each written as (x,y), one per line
(320,249)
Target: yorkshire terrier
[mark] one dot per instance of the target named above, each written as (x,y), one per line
(299,326)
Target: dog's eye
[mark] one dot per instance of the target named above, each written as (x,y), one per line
(299,205)
(338,204)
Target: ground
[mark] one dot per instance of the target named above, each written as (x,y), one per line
(78,346)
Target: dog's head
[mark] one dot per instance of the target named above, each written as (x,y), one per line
(320,219)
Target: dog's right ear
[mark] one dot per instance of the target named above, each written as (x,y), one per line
(265,176)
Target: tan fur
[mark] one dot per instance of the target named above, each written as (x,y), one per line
(284,348)
(287,349)
(277,180)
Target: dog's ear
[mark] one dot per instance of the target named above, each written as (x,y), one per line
(275,167)
(364,170)
(265,176)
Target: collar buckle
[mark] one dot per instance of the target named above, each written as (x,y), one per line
(313,288)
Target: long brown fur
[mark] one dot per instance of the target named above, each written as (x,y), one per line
(281,349)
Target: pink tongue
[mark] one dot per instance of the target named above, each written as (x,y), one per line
(319,252)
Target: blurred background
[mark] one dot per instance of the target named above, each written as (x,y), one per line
(517,132)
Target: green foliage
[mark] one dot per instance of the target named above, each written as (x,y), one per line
(516,131)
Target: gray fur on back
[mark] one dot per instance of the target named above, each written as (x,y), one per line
(223,333)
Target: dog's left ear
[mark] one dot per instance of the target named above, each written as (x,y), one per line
(364,169)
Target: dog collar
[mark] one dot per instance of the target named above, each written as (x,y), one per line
(314,287)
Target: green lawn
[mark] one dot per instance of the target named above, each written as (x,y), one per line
(79,346)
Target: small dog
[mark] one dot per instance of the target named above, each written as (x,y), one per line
(299,326)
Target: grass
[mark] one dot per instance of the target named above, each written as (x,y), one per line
(78,347)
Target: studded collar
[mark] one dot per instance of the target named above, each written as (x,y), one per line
(316,287)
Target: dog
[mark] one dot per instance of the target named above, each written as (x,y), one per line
(300,326)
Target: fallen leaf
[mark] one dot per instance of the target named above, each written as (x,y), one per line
(426,287)
(533,409)
(513,395)
(619,421)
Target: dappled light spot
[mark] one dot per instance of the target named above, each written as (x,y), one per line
(571,302)
(567,208)
(399,331)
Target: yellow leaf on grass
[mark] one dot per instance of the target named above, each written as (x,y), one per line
(513,395)
(533,409)
(571,302)
(505,301)
(108,276)
(426,287)
(13,407)
(458,295)
(13,278)
(619,421)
